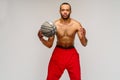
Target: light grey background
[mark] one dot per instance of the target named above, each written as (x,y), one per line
(22,55)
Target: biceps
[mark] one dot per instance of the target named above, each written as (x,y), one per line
(79,34)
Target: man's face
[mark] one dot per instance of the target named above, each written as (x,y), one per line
(65,11)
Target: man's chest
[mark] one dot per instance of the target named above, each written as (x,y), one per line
(66,30)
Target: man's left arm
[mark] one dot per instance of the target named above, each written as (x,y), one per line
(82,35)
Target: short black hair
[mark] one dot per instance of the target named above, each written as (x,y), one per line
(65,3)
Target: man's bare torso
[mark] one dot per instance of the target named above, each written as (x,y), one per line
(66,33)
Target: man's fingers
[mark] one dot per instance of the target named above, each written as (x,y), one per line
(40,34)
(83,31)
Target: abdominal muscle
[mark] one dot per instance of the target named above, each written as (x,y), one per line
(66,41)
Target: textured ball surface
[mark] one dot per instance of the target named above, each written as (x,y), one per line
(48,29)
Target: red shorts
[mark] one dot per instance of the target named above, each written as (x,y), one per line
(62,59)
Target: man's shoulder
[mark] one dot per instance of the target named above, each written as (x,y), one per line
(75,22)
(56,21)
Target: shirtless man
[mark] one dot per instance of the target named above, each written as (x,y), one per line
(65,55)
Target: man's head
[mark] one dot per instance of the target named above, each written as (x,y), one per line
(65,10)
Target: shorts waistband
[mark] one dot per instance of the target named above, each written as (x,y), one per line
(70,47)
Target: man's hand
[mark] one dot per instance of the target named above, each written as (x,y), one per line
(47,42)
(40,34)
(83,32)
(83,38)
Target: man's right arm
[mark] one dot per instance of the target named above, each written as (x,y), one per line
(48,43)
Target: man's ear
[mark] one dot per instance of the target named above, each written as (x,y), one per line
(60,11)
(70,11)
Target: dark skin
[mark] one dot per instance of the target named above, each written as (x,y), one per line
(67,28)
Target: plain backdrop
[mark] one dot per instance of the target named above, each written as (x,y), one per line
(23,56)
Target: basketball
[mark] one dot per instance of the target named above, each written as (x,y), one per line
(48,29)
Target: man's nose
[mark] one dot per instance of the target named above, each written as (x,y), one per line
(65,11)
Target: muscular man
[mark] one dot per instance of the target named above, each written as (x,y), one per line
(65,55)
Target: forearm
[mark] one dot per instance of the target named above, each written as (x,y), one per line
(46,42)
(84,41)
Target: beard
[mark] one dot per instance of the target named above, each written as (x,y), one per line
(65,17)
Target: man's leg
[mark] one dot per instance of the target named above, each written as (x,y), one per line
(74,68)
(54,71)
(56,65)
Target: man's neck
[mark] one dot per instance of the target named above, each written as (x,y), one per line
(65,21)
